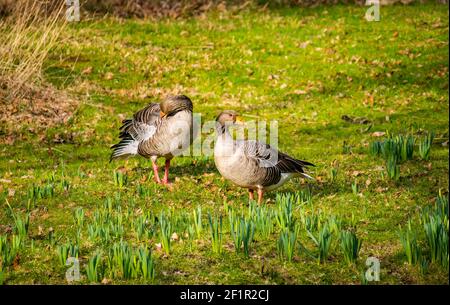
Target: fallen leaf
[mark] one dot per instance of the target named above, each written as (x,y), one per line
(16,262)
(109,76)
(300,92)
(356,173)
(86,71)
(105,281)
(381,189)
(378,134)
(303,45)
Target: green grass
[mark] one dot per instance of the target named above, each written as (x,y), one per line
(305,68)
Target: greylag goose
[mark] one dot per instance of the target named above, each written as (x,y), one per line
(251,164)
(158,130)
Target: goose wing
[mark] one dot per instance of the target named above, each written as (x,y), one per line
(273,162)
(262,154)
(141,127)
(143,124)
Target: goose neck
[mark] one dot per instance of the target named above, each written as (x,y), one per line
(222,131)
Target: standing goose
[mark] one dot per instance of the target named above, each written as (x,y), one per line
(251,164)
(158,130)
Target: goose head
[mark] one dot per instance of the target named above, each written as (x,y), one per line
(174,104)
(227,118)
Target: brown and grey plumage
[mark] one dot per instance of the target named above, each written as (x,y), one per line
(252,164)
(158,130)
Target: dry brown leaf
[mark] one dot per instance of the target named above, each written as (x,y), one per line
(105,281)
(87,71)
(16,261)
(378,134)
(303,45)
(109,75)
(381,189)
(356,173)
(300,92)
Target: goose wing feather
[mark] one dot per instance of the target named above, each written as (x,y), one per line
(141,127)
(262,154)
(272,162)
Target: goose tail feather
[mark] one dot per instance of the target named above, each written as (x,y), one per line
(304,175)
(127,145)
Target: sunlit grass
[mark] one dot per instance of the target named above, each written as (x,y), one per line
(305,69)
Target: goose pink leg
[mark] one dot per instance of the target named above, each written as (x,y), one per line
(260,195)
(250,194)
(155,171)
(166,172)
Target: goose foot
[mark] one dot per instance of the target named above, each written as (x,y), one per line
(168,185)
(166,182)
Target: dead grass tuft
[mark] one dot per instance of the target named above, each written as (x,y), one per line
(29,33)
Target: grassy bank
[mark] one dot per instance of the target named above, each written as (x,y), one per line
(306,68)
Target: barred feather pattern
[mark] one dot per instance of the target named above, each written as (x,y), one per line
(254,164)
(149,135)
(269,164)
(141,127)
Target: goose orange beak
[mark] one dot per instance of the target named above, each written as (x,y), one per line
(239,121)
(162,114)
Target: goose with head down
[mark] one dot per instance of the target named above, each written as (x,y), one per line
(158,130)
(251,164)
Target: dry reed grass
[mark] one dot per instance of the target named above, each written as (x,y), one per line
(28,34)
